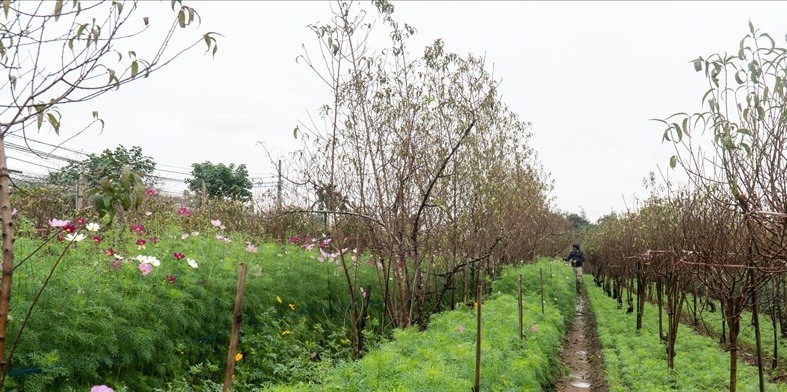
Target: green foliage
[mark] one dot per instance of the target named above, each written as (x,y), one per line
(124,192)
(442,358)
(636,361)
(100,321)
(579,221)
(221,181)
(109,164)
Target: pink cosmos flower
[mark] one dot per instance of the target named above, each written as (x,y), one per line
(215,222)
(150,192)
(145,268)
(251,248)
(80,220)
(154,239)
(13,212)
(178,256)
(69,228)
(58,223)
(97,239)
(101,388)
(137,228)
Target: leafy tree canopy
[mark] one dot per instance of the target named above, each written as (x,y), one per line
(221,181)
(109,164)
(579,221)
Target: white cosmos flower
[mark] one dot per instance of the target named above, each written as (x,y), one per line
(74,237)
(148,260)
(192,263)
(92,226)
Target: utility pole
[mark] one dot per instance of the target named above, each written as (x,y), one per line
(278,189)
(80,190)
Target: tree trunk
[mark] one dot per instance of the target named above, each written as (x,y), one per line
(733,321)
(640,297)
(782,292)
(755,317)
(8,252)
(361,322)
(723,337)
(774,307)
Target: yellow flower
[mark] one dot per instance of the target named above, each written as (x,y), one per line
(292,306)
(278,299)
(238,357)
(285,333)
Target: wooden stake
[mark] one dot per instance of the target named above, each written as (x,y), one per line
(477,385)
(541,270)
(519,302)
(236,320)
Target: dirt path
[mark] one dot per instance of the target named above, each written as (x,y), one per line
(582,354)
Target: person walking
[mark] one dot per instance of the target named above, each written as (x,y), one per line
(576,258)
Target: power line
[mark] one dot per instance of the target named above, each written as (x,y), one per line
(32,163)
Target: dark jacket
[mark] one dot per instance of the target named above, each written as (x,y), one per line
(576,257)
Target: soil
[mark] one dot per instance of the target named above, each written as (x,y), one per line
(581,354)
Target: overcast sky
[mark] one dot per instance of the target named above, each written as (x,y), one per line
(588,75)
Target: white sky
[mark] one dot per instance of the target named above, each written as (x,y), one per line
(588,75)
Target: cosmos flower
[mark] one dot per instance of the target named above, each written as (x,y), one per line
(74,237)
(58,223)
(145,268)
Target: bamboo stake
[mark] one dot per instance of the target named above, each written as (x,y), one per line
(543,311)
(519,302)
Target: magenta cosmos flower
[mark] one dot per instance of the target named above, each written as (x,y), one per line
(101,388)
(137,228)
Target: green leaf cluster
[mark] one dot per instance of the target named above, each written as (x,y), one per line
(221,181)
(108,164)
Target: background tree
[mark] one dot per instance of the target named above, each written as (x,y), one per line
(220,181)
(733,149)
(420,163)
(108,164)
(58,53)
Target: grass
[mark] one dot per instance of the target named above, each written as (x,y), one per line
(442,357)
(637,360)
